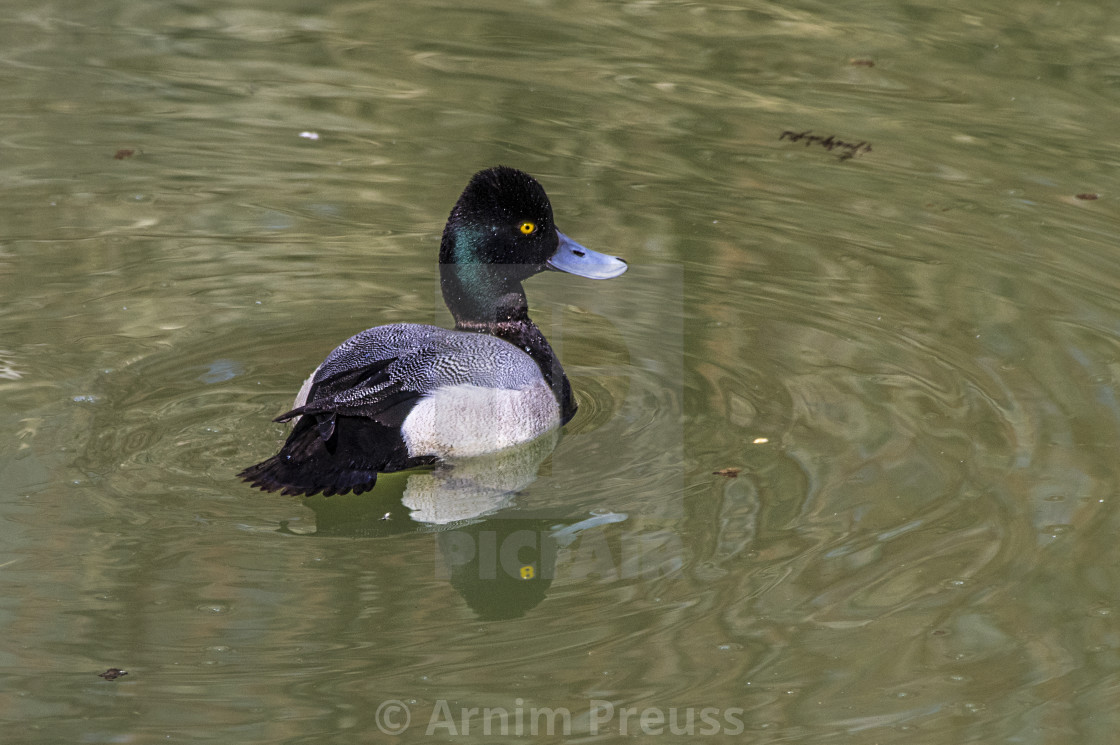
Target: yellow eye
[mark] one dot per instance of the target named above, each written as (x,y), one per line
(528,228)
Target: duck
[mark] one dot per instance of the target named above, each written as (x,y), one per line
(406,395)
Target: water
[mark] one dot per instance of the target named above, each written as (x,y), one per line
(845,462)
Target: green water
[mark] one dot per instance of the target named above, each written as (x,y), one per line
(910,355)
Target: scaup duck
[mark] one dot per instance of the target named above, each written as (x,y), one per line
(405,395)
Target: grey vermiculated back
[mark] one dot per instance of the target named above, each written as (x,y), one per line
(429,357)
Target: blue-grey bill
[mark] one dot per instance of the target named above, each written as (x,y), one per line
(573,258)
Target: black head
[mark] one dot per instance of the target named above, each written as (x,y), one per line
(503,217)
(500,233)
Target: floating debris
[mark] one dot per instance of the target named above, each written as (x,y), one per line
(730,473)
(1088,196)
(123,153)
(861,63)
(830,143)
(112,673)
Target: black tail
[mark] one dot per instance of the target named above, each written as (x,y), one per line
(318,457)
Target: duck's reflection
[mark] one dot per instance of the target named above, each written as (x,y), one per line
(502,566)
(455,491)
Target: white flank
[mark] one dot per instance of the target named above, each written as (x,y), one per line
(468,420)
(301,397)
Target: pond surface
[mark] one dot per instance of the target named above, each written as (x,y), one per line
(845,468)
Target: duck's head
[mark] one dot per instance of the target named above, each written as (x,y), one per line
(500,233)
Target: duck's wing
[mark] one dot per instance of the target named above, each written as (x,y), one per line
(371,392)
(349,460)
(347,433)
(349,428)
